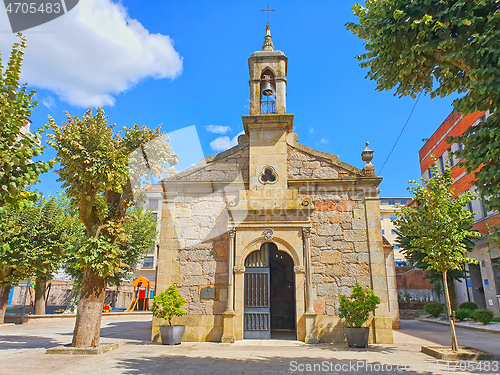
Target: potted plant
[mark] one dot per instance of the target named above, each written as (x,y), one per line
(166,305)
(355,310)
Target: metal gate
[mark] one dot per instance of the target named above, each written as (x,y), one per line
(257,318)
(257,315)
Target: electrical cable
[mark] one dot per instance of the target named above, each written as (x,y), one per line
(401,133)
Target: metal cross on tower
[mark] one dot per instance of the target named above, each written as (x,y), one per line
(268,10)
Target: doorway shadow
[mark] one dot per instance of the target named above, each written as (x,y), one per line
(283,334)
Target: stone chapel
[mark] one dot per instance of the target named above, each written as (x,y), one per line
(262,239)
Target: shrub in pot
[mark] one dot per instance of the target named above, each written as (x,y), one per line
(165,306)
(356,310)
(468,306)
(483,316)
(462,314)
(433,309)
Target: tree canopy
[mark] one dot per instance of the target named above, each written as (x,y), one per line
(44,233)
(18,169)
(47,232)
(441,47)
(17,150)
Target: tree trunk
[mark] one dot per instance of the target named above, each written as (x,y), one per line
(88,319)
(453,294)
(454,342)
(4,300)
(40,284)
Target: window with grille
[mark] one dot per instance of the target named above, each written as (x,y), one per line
(148,262)
(153,204)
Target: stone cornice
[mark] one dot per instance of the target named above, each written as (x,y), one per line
(336,181)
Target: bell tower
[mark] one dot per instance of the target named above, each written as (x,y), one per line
(267,79)
(268,124)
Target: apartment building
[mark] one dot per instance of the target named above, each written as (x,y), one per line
(153,202)
(389,207)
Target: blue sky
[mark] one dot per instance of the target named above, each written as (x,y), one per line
(184,63)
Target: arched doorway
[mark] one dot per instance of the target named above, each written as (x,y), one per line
(269,294)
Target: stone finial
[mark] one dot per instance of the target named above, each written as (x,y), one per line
(367,156)
(268,41)
(172,160)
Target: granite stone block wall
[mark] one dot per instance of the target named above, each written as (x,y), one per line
(202,256)
(339,252)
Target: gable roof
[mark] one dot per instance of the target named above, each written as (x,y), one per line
(229,165)
(307,163)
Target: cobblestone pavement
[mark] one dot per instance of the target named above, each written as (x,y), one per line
(23,347)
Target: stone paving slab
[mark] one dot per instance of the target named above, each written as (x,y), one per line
(23,351)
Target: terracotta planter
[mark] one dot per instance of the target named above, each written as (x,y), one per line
(171,335)
(357,337)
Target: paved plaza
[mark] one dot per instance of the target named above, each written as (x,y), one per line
(23,352)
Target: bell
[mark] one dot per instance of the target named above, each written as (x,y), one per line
(268,90)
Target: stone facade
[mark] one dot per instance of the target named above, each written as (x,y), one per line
(269,188)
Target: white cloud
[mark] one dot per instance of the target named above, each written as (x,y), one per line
(224,143)
(311,130)
(324,141)
(217,129)
(49,102)
(93,53)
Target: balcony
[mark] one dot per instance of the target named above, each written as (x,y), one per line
(268,106)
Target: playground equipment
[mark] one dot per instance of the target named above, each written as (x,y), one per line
(141,294)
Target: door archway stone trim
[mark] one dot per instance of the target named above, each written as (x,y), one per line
(258,242)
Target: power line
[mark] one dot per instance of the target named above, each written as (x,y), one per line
(400,134)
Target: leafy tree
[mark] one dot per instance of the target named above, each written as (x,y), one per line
(99,170)
(441,47)
(438,229)
(416,259)
(141,231)
(47,232)
(17,168)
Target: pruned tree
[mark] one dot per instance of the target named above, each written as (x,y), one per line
(441,48)
(17,168)
(99,169)
(438,229)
